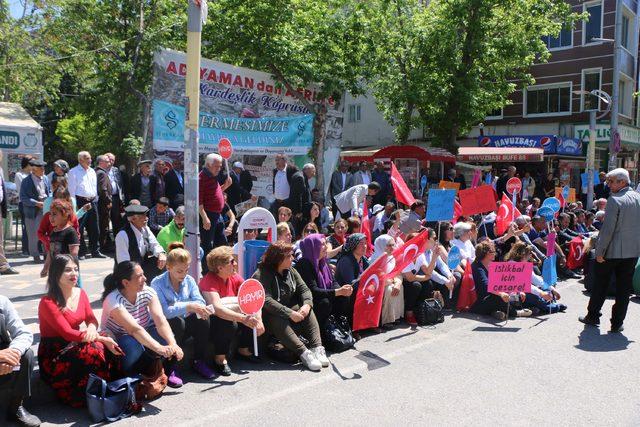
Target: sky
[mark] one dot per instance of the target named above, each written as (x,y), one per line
(15,8)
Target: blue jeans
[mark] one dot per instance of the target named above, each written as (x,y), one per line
(545,307)
(132,348)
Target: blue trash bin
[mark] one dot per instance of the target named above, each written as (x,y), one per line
(253,251)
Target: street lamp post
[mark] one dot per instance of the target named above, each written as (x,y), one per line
(591,149)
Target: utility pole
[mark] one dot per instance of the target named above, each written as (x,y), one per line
(615,95)
(591,157)
(196,11)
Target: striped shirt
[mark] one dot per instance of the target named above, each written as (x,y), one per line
(139,310)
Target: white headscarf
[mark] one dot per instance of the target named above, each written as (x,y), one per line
(380,245)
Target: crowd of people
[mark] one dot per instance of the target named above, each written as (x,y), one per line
(151,305)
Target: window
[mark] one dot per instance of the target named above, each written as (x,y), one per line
(354,113)
(495,114)
(590,81)
(548,100)
(593,27)
(563,39)
(625,97)
(625,32)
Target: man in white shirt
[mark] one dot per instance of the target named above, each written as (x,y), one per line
(83,185)
(348,202)
(136,242)
(281,182)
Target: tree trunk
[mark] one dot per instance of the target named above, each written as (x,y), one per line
(319,138)
(403,130)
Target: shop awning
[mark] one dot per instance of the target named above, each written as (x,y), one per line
(433,154)
(499,154)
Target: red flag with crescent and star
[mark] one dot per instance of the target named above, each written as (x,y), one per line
(505,215)
(575,259)
(468,294)
(366,228)
(402,192)
(368,304)
(407,253)
(457,211)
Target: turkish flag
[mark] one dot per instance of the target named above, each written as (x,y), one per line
(407,253)
(366,228)
(467,295)
(457,211)
(402,192)
(506,214)
(368,304)
(576,253)
(562,200)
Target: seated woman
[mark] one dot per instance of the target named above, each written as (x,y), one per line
(132,314)
(284,215)
(354,225)
(496,305)
(184,308)
(289,301)
(284,232)
(312,214)
(442,278)
(393,299)
(328,296)
(308,229)
(66,354)
(351,263)
(220,289)
(336,240)
(543,301)
(416,280)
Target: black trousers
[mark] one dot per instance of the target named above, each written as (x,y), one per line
(116,217)
(491,303)
(191,326)
(104,214)
(211,238)
(223,331)
(325,305)
(25,238)
(623,268)
(19,382)
(414,292)
(89,221)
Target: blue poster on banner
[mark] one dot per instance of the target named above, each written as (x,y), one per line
(440,204)
(266,135)
(454,258)
(584,177)
(565,192)
(549,273)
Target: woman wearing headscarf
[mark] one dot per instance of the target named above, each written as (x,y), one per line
(328,296)
(393,300)
(351,263)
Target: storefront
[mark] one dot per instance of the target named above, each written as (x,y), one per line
(626,158)
(412,161)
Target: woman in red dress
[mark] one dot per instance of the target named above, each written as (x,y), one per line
(66,354)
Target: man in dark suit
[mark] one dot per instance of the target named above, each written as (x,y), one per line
(601,191)
(105,195)
(144,185)
(300,196)
(383,178)
(617,250)
(174,185)
(341,180)
(5,268)
(34,189)
(246,182)
(281,183)
(236,194)
(118,187)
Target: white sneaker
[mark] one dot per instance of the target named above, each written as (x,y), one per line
(309,360)
(524,313)
(320,354)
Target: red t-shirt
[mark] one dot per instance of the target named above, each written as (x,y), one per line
(66,323)
(210,192)
(211,282)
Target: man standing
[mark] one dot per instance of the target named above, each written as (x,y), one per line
(236,194)
(105,193)
(363,176)
(5,268)
(34,189)
(24,172)
(16,363)
(144,185)
(617,250)
(281,182)
(246,181)
(83,185)
(136,242)
(174,185)
(341,179)
(60,168)
(211,202)
(383,178)
(601,191)
(159,169)
(501,184)
(300,194)
(117,193)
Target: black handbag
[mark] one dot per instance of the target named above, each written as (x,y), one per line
(429,312)
(337,335)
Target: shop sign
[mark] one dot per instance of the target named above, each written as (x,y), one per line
(547,142)
(569,146)
(628,134)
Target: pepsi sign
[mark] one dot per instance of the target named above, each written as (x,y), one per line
(569,146)
(547,142)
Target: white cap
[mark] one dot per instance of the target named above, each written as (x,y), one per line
(238,165)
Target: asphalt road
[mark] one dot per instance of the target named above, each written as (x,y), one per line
(467,371)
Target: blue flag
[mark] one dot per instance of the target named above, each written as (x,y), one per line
(488,179)
(549,274)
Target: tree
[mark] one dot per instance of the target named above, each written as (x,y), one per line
(299,42)
(462,58)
